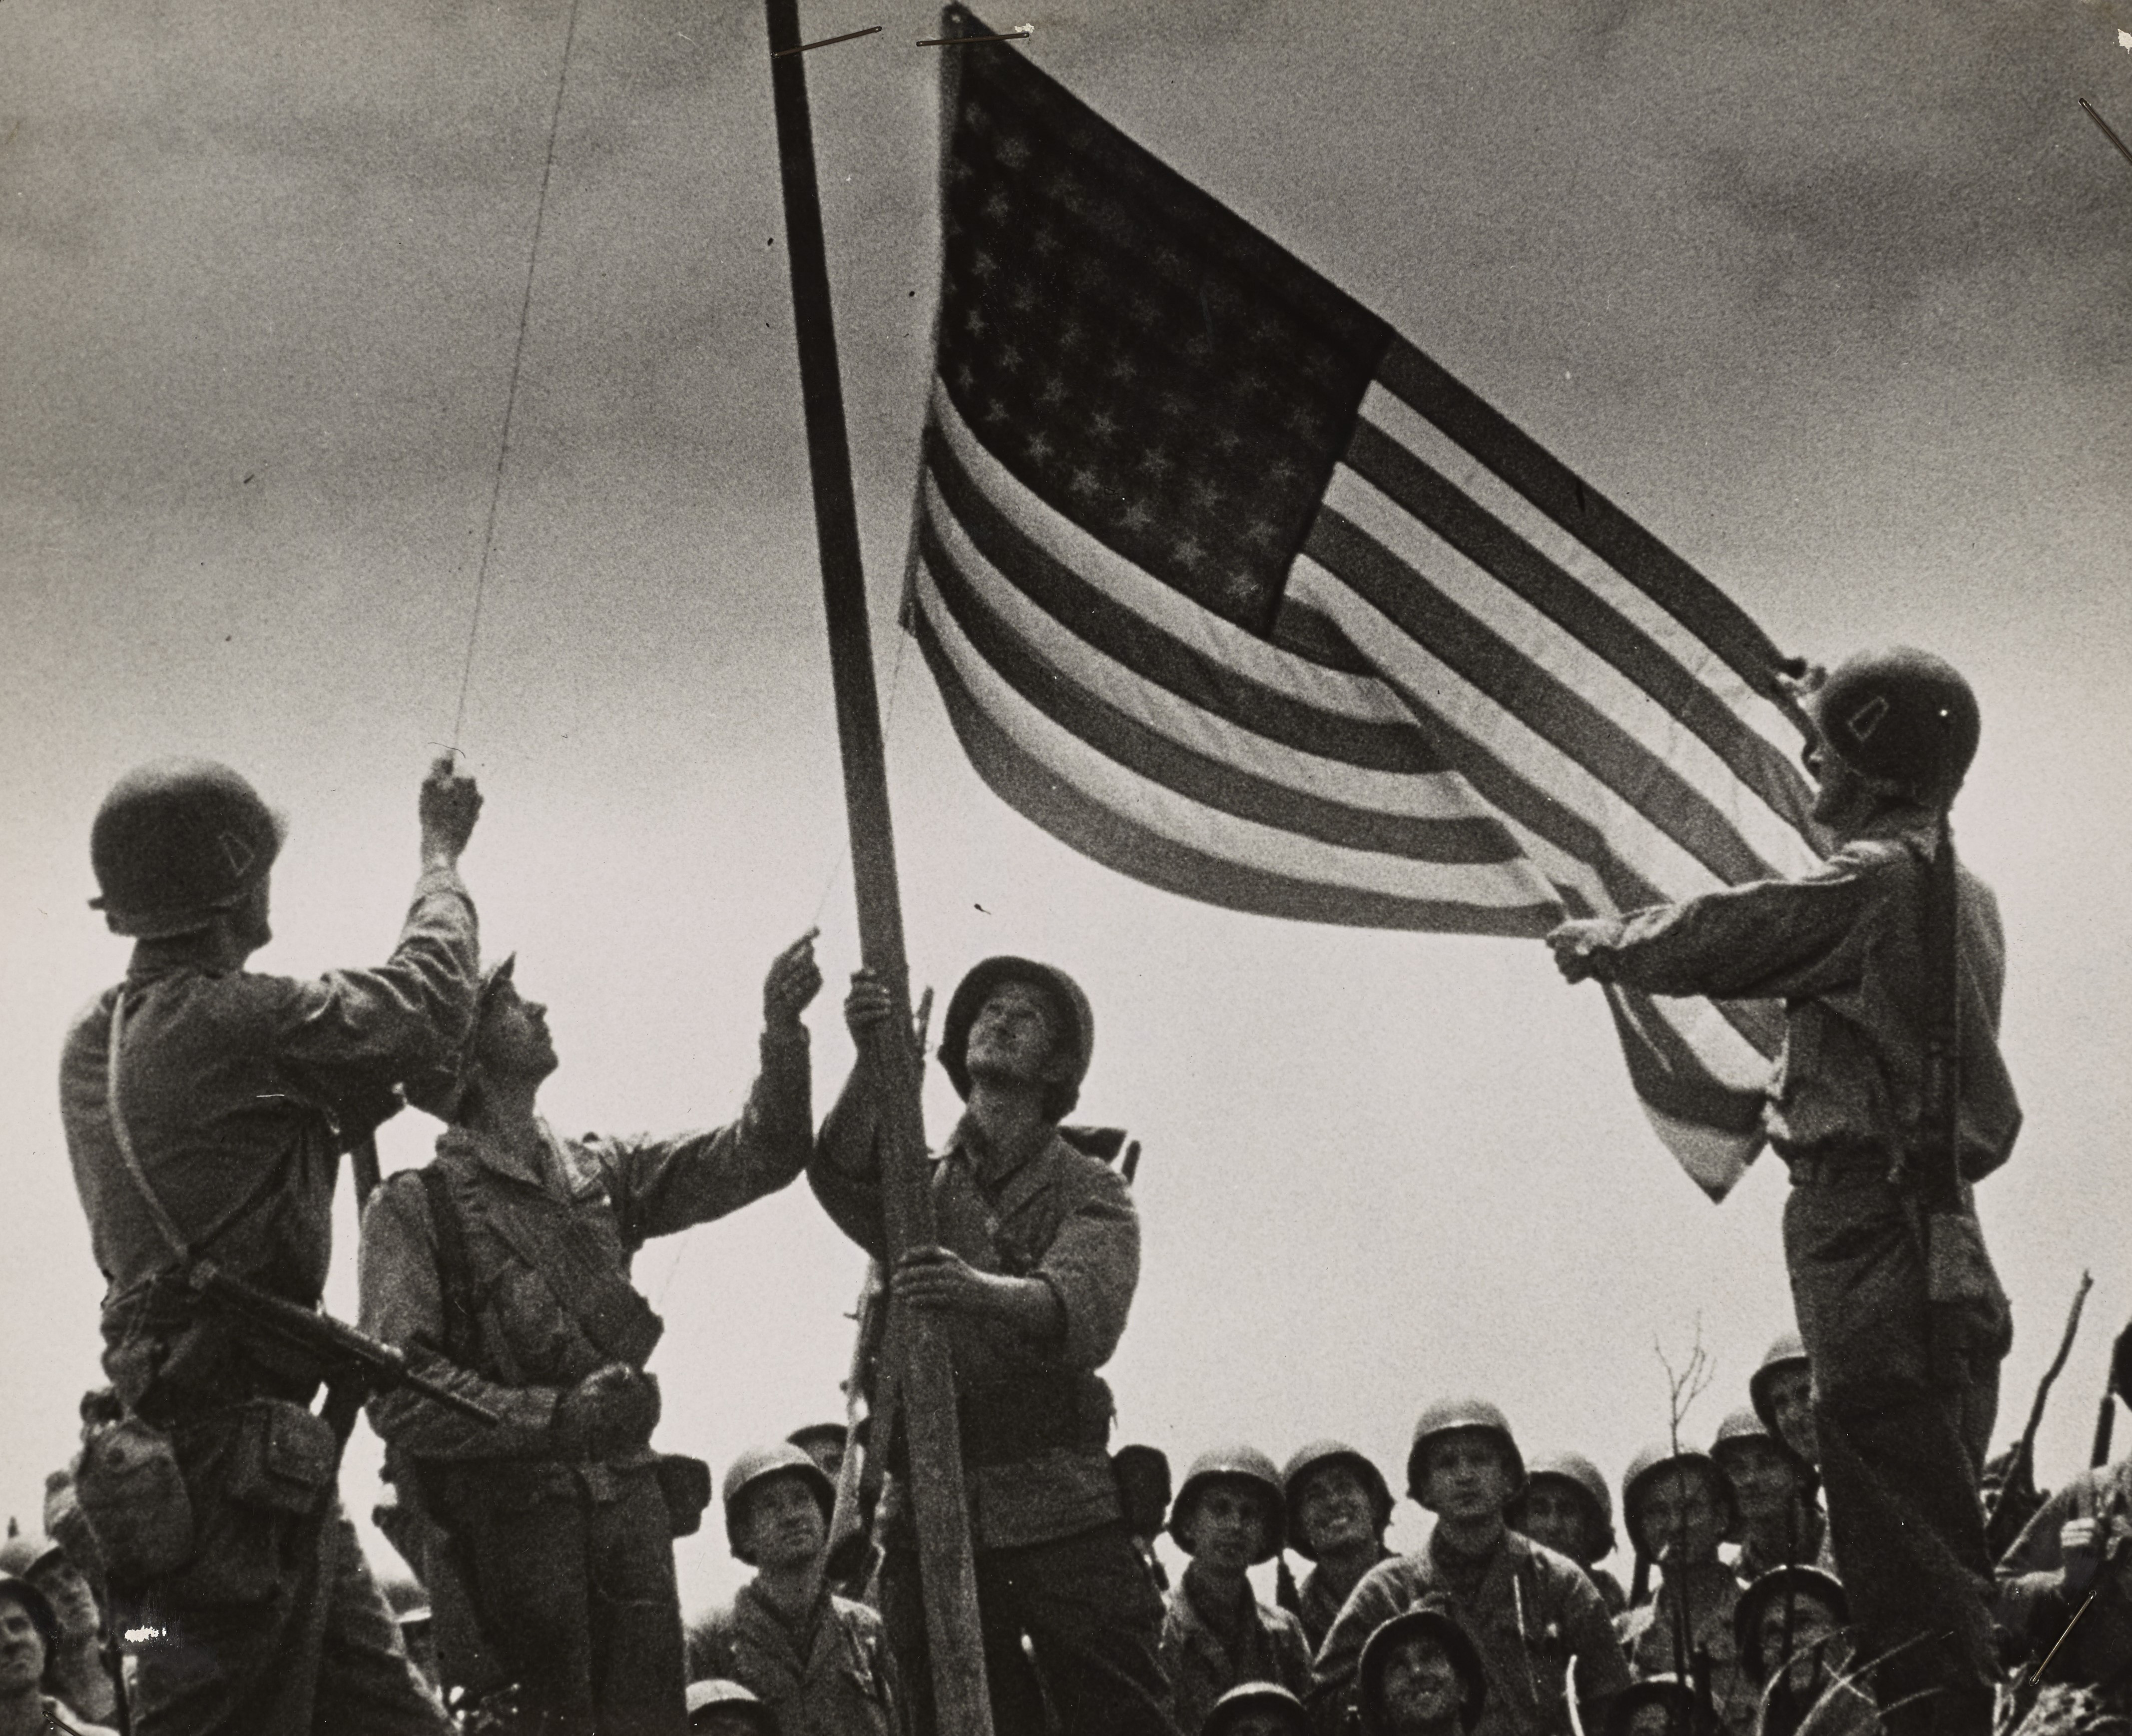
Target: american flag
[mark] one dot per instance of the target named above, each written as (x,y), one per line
(1231,588)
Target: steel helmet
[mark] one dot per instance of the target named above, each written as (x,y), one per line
(1315,1457)
(1439,1626)
(1668,1691)
(1232,1463)
(1654,1462)
(442,1090)
(1142,1474)
(716,1697)
(177,842)
(817,1434)
(1577,1472)
(1788,1351)
(1453,1416)
(758,1466)
(1254,1696)
(1795,1582)
(1899,716)
(969,998)
(23,1554)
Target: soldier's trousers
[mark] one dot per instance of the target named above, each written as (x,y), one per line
(1900,1455)
(577,1599)
(276,1629)
(1093,1622)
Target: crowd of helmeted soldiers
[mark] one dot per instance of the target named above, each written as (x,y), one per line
(1823,1563)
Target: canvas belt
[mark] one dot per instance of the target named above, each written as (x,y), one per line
(1837,1165)
(1004,1421)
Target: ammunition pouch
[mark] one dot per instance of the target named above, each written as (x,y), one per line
(685,1484)
(134,1500)
(1971,1323)
(284,1459)
(1005,1420)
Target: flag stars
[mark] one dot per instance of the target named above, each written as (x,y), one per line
(1189,553)
(1260,533)
(1085,481)
(999,208)
(983,264)
(1011,358)
(1038,447)
(1054,393)
(1157,463)
(1103,425)
(973,322)
(1136,516)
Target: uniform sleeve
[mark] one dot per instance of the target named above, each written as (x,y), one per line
(1381,1595)
(1774,938)
(1600,1671)
(844,1168)
(1093,1266)
(1291,1653)
(2031,1605)
(402,1302)
(343,1038)
(668,1184)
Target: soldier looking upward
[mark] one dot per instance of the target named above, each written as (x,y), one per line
(206,1110)
(1038,1257)
(505,1264)
(1891,1101)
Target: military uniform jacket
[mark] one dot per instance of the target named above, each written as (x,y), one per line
(1534,1614)
(830,1676)
(1843,947)
(1317,1606)
(239,1092)
(1201,1667)
(1052,1213)
(1647,1635)
(2033,1611)
(524,1345)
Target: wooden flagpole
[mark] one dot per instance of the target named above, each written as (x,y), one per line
(946,1570)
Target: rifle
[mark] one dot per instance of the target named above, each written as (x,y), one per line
(2014,1502)
(354,1362)
(847,1519)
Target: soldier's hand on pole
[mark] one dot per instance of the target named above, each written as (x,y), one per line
(940,1280)
(449,805)
(1573,943)
(867,1007)
(794,981)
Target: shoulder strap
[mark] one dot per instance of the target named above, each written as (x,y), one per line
(165,1225)
(454,1264)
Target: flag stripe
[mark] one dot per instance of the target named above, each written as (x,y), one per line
(1513,566)
(1550,662)
(1592,570)
(1065,656)
(1576,730)
(1634,552)
(1157,835)
(1078,579)
(1222,780)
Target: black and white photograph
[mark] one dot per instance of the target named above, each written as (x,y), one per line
(1165,867)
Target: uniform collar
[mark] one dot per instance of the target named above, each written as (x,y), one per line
(997,1172)
(552,1176)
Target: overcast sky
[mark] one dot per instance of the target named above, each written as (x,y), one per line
(1833,296)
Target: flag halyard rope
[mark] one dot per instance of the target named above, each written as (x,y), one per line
(518,359)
